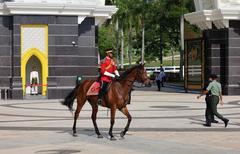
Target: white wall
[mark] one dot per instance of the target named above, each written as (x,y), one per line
(217,4)
(204,4)
(229,4)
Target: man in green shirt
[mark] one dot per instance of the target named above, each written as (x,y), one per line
(216,91)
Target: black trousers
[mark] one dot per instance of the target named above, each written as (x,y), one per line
(103,90)
(209,112)
(214,103)
(158,84)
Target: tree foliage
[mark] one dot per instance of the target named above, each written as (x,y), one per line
(106,38)
(162,25)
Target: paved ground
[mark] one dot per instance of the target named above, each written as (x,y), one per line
(163,122)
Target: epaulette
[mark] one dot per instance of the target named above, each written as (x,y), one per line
(102,61)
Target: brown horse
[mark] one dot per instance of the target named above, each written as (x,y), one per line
(117,97)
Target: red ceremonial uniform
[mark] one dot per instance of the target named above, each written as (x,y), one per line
(108,65)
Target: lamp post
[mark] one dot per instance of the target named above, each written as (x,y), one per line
(182,42)
(143,36)
(161,46)
(117,42)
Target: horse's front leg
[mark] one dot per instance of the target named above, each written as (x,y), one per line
(113,112)
(126,113)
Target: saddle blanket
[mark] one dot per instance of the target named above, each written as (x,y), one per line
(94,89)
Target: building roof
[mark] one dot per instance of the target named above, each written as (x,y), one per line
(217,12)
(80,8)
(82,2)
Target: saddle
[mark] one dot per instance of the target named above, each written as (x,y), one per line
(94,89)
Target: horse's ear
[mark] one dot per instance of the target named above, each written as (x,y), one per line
(142,64)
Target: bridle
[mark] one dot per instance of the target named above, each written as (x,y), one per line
(137,77)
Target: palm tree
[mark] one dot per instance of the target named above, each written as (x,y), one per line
(119,20)
(130,14)
(139,12)
(129,25)
(129,47)
(123,18)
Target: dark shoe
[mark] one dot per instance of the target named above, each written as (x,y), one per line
(99,101)
(215,121)
(207,125)
(226,122)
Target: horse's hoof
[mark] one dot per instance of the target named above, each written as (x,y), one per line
(75,135)
(122,134)
(113,138)
(100,136)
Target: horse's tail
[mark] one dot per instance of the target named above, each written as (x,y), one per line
(69,99)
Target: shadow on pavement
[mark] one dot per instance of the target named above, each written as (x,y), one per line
(58,151)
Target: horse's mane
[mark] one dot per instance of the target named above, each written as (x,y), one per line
(129,70)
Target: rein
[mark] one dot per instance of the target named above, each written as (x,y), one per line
(132,81)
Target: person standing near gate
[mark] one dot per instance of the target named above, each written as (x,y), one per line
(208,112)
(160,79)
(108,71)
(216,90)
(34,79)
(164,77)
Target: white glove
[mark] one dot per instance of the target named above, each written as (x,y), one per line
(116,73)
(109,74)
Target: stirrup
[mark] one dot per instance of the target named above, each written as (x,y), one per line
(99,101)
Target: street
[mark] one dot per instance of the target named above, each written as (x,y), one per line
(163,122)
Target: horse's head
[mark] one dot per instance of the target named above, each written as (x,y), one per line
(142,75)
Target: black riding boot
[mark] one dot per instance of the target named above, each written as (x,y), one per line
(99,101)
(102,91)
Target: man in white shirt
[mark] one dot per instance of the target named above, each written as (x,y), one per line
(34,79)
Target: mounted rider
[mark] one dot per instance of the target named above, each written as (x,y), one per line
(108,71)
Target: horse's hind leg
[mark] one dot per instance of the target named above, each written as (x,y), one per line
(80,103)
(94,117)
(113,112)
(126,113)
